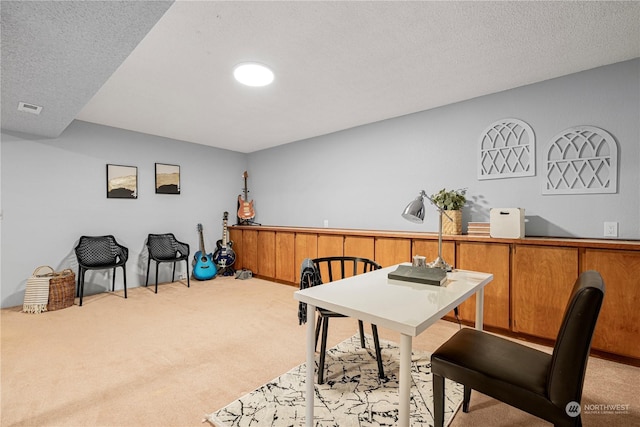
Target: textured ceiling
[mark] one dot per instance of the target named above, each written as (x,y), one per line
(57,54)
(337,64)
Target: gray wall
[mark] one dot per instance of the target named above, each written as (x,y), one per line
(54,191)
(363,177)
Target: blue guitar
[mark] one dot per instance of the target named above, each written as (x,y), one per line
(224,256)
(204,268)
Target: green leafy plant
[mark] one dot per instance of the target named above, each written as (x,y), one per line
(450,200)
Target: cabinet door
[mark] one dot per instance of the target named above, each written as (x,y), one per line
(235,236)
(306,246)
(429,250)
(390,251)
(488,258)
(285,256)
(618,326)
(543,278)
(267,253)
(250,250)
(360,246)
(330,245)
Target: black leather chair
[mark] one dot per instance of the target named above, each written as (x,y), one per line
(100,253)
(336,268)
(548,386)
(166,248)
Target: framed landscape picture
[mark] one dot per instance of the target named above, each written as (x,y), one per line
(167,179)
(122,182)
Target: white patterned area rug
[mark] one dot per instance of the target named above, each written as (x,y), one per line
(352,395)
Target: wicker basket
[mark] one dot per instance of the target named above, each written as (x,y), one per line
(62,290)
(452,227)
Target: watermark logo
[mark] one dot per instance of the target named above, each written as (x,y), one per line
(606,409)
(572,409)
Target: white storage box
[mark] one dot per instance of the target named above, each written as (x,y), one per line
(507,223)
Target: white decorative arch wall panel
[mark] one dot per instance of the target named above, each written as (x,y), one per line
(507,149)
(581,160)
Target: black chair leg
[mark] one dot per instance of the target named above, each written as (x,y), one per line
(187,263)
(146,282)
(438,400)
(124,274)
(361,329)
(113,281)
(323,350)
(376,343)
(466,399)
(79,274)
(173,274)
(81,286)
(157,264)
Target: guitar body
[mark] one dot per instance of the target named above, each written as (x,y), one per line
(203,268)
(224,256)
(245,211)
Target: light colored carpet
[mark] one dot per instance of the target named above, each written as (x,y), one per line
(168,359)
(352,395)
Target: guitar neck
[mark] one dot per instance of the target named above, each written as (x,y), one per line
(201,243)
(245,190)
(225,239)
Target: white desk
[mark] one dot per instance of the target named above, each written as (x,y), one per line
(408,308)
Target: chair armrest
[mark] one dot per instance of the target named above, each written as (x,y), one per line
(183,248)
(123,252)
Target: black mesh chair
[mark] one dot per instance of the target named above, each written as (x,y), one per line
(166,248)
(336,268)
(548,386)
(100,253)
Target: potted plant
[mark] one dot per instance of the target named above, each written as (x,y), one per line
(452,202)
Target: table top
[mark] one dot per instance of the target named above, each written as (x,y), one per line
(406,307)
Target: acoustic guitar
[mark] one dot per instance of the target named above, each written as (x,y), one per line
(204,268)
(224,256)
(245,209)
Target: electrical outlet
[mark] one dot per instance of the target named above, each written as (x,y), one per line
(326,223)
(610,229)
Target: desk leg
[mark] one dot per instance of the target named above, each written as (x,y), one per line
(311,350)
(479,308)
(405,379)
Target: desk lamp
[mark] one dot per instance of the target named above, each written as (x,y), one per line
(414,212)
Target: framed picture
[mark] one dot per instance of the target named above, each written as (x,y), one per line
(122,182)
(167,179)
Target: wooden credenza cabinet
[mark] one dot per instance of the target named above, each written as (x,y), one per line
(533,277)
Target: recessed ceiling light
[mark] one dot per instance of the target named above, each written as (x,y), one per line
(253,74)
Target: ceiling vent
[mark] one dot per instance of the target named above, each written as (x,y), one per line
(29,108)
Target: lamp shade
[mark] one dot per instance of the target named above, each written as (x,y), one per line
(415,211)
